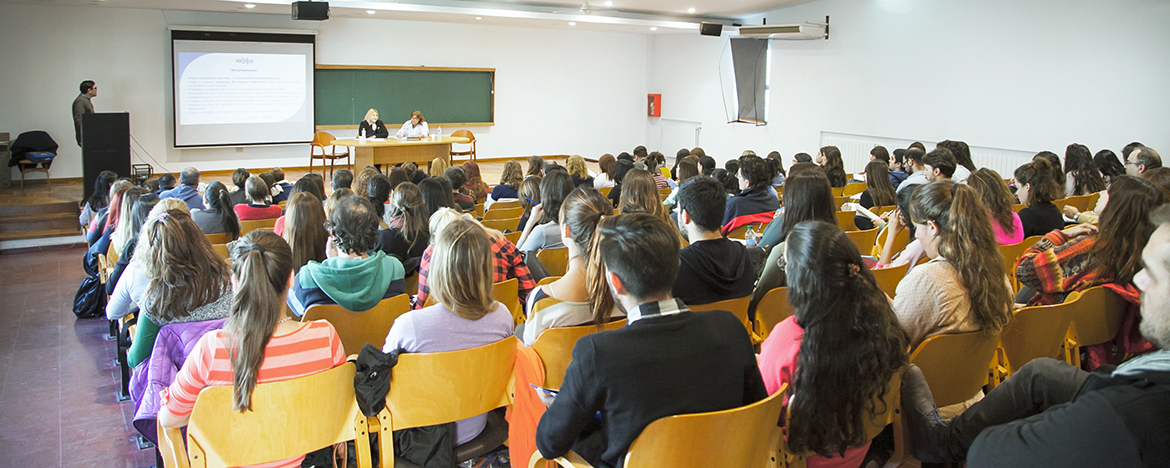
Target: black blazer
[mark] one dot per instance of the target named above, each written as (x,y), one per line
(692,362)
(381,132)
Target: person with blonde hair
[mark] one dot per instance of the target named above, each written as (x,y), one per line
(258,342)
(509,184)
(416,127)
(361,183)
(335,198)
(579,171)
(372,126)
(640,195)
(464,315)
(509,263)
(437,168)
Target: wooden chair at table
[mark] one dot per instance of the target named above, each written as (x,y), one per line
(1033,332)
(288,418)
(738,307)
(852,189)
(428,389)
(772,309)
(254,224)
(744,437)
(358,328)
(321,140)
(845,220)
(556,261)
(888,279)
(220,237)
(470,153)
(864,240)
(955,365)
(502,225)
(1096,317)
(503,213)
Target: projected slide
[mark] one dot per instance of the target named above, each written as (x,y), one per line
(228,88)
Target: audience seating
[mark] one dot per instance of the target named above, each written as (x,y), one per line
(772,309)
(470,153)
(502,225)
(605,190)
(514,236)
(663,193)
(741,232)
(254,224)
(317,150)
(478,211)
(838,191)
(955,365)
(222,251)
(1033,332)
(1017,207)
(1080,202)
(411,284)
(900,242)
(503,213)
(469,382)
(288,418)
(556,261)
(507,292)
(864,240)
(358,328)
(547,280)
(845,220)
(888,279)
(555,345)
(1011,253)
(852,189)
(839,201)
(1096,317)
(740,437)
(737,306)
(505,204)
(219,238)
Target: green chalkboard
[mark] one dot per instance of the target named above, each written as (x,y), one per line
(444,95)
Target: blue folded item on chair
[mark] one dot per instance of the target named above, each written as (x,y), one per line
(39,156)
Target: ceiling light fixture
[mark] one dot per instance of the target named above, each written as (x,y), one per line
(572,23)
(369,12)
(690,10)
(654,28)
(249,5)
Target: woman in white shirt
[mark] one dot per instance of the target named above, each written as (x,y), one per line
(415,127)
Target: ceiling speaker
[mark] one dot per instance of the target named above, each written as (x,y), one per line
(316,11)
(710,29)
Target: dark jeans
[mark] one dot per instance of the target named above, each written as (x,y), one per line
(1037,386)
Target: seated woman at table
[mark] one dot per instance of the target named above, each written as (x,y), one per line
(372,126)
(415,127)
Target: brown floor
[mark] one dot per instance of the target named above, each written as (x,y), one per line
(57,377)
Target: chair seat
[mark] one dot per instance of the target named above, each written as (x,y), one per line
(494,434)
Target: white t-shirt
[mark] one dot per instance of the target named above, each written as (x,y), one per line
(409,130)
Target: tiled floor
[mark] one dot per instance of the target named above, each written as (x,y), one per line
(57,377)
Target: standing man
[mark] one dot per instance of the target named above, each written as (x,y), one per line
(83,105)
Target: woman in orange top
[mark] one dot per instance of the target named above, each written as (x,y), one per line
(258,343)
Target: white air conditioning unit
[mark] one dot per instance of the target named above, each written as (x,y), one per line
(801,31)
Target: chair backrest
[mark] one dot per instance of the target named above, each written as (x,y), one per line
(741,232)
(514,236)
(864,240)
(838,191)
(219,238)
(1034,332)
(288,418)
(956,365)
(222,251)
(358,328)
(478,210)
(845,220)
(323,139)
(250,225)
(1012,252)
(507,292)
(1081,202)
(605,190)
(838,201)
(888,279)
(737,306)
(1097,315)
(1017,207)
(739,437)
(772,309)
(900,241)
(555,346)
(436,388)
(505,204)
(502,224)
(556,261)
(464,134)
(546,280)
(852,189)
(503,213)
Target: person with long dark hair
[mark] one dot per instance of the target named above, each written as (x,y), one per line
(878,192)
(378,193)
(535,166)
(1055,168)
(620,168)
(435,195)
(304,229)
(898,221)
(842,330)
(542,231)
(606,163)
(99,198)
(829,158)
(258,342)
(964,166)
(964,287)
(757,202)
(138,214)
(239,192)
(407,235)
(1106,161)
(640,195)
(220,215)
(1037,187)
(998,199)
(1082,175)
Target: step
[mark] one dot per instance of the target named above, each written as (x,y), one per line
(38,222)
(41,234)
(41,208)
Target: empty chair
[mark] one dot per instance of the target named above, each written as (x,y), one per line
(33,152)
(507,292)
(852,189)
(323,148)
(358,328)
(1033,332)
(470,153)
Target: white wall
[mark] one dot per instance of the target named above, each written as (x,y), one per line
(1004,74)
(557,91)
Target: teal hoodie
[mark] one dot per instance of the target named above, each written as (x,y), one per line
(355,284)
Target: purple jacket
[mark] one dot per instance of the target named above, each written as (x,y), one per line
(174,342)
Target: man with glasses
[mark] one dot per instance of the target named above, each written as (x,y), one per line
(1140,160)
(83,105)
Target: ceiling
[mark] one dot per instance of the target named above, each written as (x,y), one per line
(643,16)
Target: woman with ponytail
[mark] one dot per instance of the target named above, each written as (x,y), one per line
(258,338)
(582,210)
(998,200)
(464,316)
(842,330)
(964,287)
(220,215)
(123,229)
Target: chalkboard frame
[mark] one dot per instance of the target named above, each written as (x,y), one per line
(492,122)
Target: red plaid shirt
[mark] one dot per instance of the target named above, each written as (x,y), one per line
(508,261)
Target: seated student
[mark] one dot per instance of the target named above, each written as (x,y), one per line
(579,171)
(712,268)
(281,188)
(507,258)
(108,222)
(437,167)
(166,182)
(640,195)
(854,337)
(258,206)
(1083,177)
(175,277)
(939,165)
(964,287)
(342,178)
(99,198)
(509,183)
(1080,257)
(474,184)
(620,169)
(378,193)
(754,204)
(606,165)
(457,177)
(896,162)
(998,199)
(258,343)
(436,195)
(1053,414)
(1140,159)
(239,189)
(913,163)
(963,164)
(542,230)
(897,221)
(362,182)
(311,184)
(535,166)
(305,229)
(829,158)
(655,161)
(350,276)
(220,214)
(334,198)
(407,236)
(529,198)
(685,169)
(878,192)
(120,233)
(1036,187)
(667,361)
(138,214)
(579,216)
(187,190)
(464,316)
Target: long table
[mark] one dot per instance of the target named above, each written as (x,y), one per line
(393,151)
